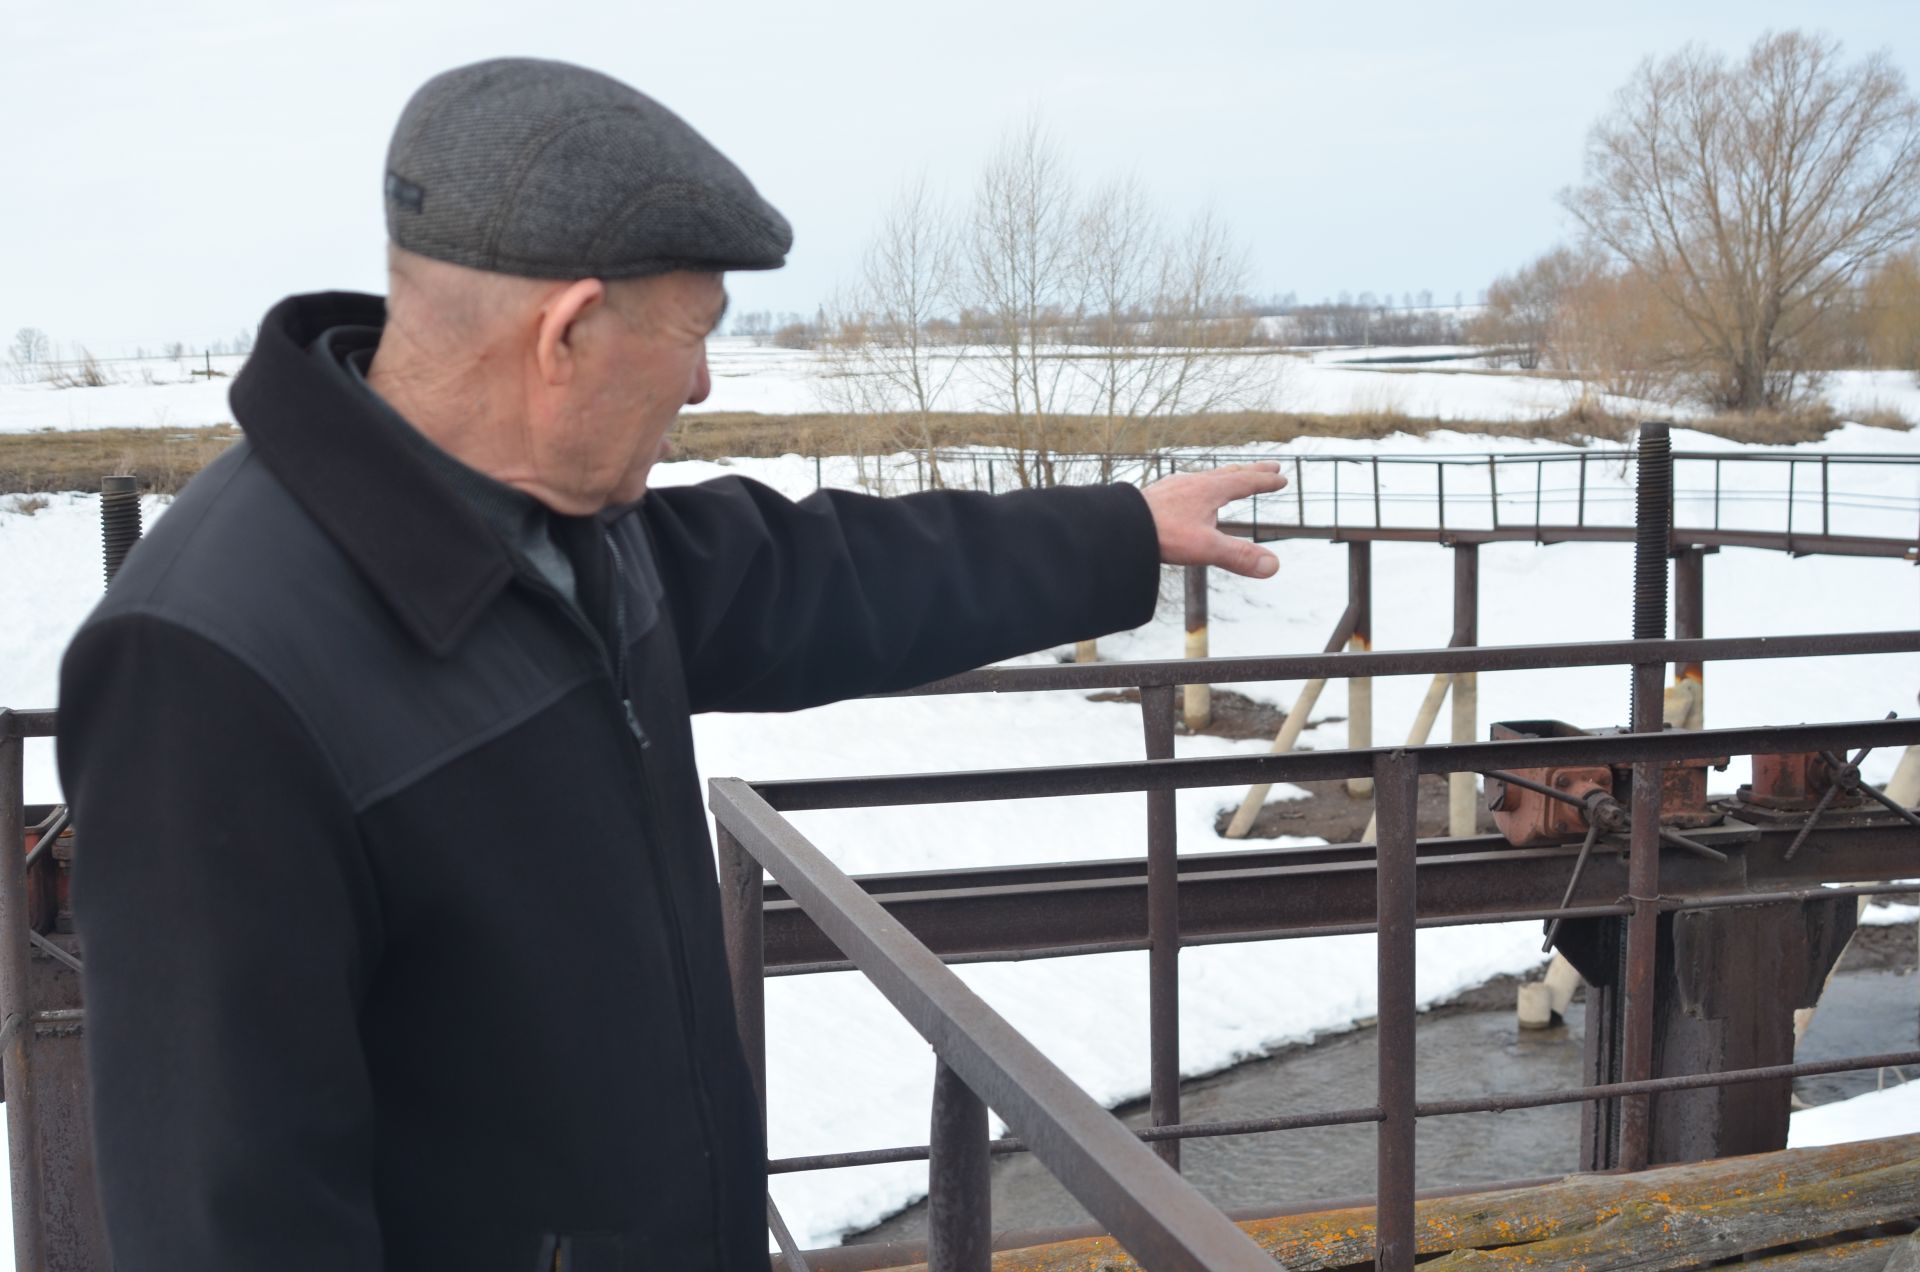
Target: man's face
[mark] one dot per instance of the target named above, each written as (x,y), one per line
(643,356)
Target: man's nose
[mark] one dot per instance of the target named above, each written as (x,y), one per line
(702,382)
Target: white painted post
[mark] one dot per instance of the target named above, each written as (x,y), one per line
(1422,726)
(1283,742)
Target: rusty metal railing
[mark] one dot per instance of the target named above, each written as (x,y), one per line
(753,836)
(1800,503)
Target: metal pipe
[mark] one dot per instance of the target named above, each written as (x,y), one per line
(1335,665)
(1509,1101)
(1396,779)
(1320,766)
(1163,928)
(959,1179)
(1499,1102)
(16,1009)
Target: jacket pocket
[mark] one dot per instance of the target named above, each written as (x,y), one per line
(581,1252)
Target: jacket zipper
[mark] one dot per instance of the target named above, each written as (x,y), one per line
(615,664)
(682,972)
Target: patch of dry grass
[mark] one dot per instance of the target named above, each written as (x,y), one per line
(164,459)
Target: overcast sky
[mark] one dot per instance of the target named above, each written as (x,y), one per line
(170,170)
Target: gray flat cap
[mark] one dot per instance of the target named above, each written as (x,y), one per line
(549,170)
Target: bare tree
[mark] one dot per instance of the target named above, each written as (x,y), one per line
(1021,281)
(28,351)
(1521,307)
(882,357)
(1751,194)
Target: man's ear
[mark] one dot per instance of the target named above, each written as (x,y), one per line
(554,347)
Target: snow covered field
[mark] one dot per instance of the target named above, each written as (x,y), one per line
(164,393)
(845,1072)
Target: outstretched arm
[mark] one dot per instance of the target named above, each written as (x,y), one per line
(780,605)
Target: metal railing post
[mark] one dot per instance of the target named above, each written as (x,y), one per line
(959,1179)
(1163,928)
(1396,777)
(16,1007)
(743,927)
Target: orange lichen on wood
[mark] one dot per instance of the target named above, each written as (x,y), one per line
(1715,1209)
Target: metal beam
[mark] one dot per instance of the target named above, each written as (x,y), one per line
(1026,912)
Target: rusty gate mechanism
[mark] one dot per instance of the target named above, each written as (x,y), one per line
(1812,786)
(1589,802)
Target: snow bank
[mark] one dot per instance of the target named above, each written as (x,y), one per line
(1888,915)
(1894,1110)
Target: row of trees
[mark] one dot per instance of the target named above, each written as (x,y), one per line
(1746,225)
(1070,299)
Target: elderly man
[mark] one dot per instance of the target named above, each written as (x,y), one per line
(398,905)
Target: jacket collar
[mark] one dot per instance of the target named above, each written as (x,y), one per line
(426,553)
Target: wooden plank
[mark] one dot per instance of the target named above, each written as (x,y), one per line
(1796,1181)
(1906,1255)
(1853,1256)
(1659,1236)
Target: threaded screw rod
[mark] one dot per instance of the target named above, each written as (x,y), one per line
(119,520)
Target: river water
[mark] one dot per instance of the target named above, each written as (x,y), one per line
(1460,1054)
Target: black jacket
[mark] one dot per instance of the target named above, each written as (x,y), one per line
(393,880)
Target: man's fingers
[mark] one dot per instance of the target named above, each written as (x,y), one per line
(1242,481)
(1242,556)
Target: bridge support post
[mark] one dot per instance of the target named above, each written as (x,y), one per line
(1686,700)
(1197,700)
(1463,800)
(1727,982)
(1360,688)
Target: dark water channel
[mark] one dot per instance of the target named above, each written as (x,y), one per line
(1461,1053)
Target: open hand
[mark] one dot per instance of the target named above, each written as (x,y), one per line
(1186,511)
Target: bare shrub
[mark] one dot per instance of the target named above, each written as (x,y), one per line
(26,505)
(1890,313)
(1613,328)
(1751,194)
(28,350)
(85,372)
(1519,318)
